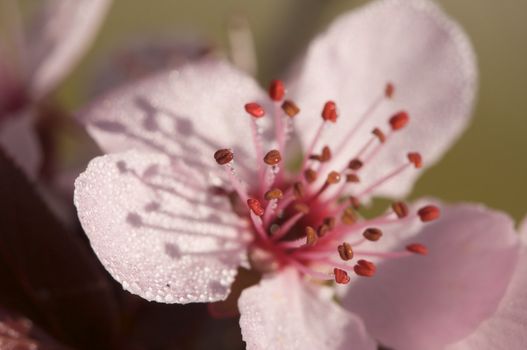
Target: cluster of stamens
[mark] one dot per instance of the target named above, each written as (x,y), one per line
(296,219)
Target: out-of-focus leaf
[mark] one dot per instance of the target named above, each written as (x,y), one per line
(48,273)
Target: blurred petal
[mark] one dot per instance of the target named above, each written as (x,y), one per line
(411,43)
(61,33)
(193,111)
(19,140)
(426,302)
(284,312)
(155,226)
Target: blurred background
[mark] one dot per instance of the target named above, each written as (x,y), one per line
(85,308)
(488,164)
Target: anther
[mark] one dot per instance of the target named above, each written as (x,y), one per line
(276,90)
(416,159)
(400,209)
(341,276)
(333,177)
(322,230)
(310,175)
(355,202)
(365,268)
(372,234)
(345,251)
(290,108)
(255,109)
(255,206)
(379,134)
(301,208)
(329,113)
(272,157)
(355,164)
(389,90)
(311,236)
(428,213)
(399,120)
(330,222)
(348,216)
(223,156)
(326,154)
(298,190)
(352,178)
(417,248)
(274,193)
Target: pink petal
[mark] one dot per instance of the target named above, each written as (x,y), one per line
(426,302)
(411,43)
(157,229)
(285,312)
(193,111)
(19,140)
(60,34)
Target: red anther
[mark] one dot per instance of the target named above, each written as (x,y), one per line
(223,156)
(389,90)
(352,178)
(326,154)
(399,120)
(255,206)
(310,175)
(311,236)
(416,159)
(429,213)
(345,251)
(333,177)
(255,109)
(274,193)
(276,90)
(355,164)
(330,222)
(272,157)
(372,234)
(348,217)
(400,209)
(364,268)
(329,113)
(379,134)
(290,108)
(417,248)
(355,203)
(322,230)
(341,276)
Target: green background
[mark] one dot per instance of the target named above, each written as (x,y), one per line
(487,165)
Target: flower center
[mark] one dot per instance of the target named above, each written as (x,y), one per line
(307,219)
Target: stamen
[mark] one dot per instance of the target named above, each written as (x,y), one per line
(348,216)
(311,236)
(310,175)
(400,209)
(329,113)
(326,154)
(255,206)
(355,164)
(417,248)
(399,120)
(355,203)
(255,110)
(332,178)
(372,234)
(416,159)
(389,90)
(272,157)
(323,230)
(223,156)
(298,190)
(429,213)
(290,108)
(284,229)
(365,268)
(330,221)
(341,276)
(353,178)
(345,251)
(274,193)
(383,180)
(379,134)
(276,90)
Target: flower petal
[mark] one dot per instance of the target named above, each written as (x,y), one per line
(411,43)
(60,34)
(427,302)
(19,140)
(156,227)
(284,312)
(192,111)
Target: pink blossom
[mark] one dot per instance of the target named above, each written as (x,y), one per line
(39,57)
(196,183)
